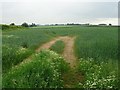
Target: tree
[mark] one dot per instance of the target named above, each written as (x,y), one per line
(25,24)
(33,25)
(110,24)
(12,24)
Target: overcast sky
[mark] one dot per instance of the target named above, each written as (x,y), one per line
(59,11)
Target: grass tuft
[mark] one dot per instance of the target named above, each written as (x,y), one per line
(58,47)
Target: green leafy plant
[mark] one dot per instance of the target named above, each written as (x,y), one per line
(44,71)
(98,75)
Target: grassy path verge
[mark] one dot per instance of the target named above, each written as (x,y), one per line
(58,47)
(72,78)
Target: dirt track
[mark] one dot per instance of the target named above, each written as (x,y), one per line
(68,53)
(70,78)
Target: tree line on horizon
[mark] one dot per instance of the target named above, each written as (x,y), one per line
(25,24)
(33,24)
(13,25)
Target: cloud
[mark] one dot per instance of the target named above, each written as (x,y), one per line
(59,0)
(57,12)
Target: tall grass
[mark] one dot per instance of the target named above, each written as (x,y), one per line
(15,41)
(94,42)
(97,44)
(13,56)
(44,71)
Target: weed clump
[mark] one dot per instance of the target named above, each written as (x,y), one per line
(44,71)
(24,45)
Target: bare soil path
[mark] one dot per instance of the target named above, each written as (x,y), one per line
(72,77)
(68,53)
